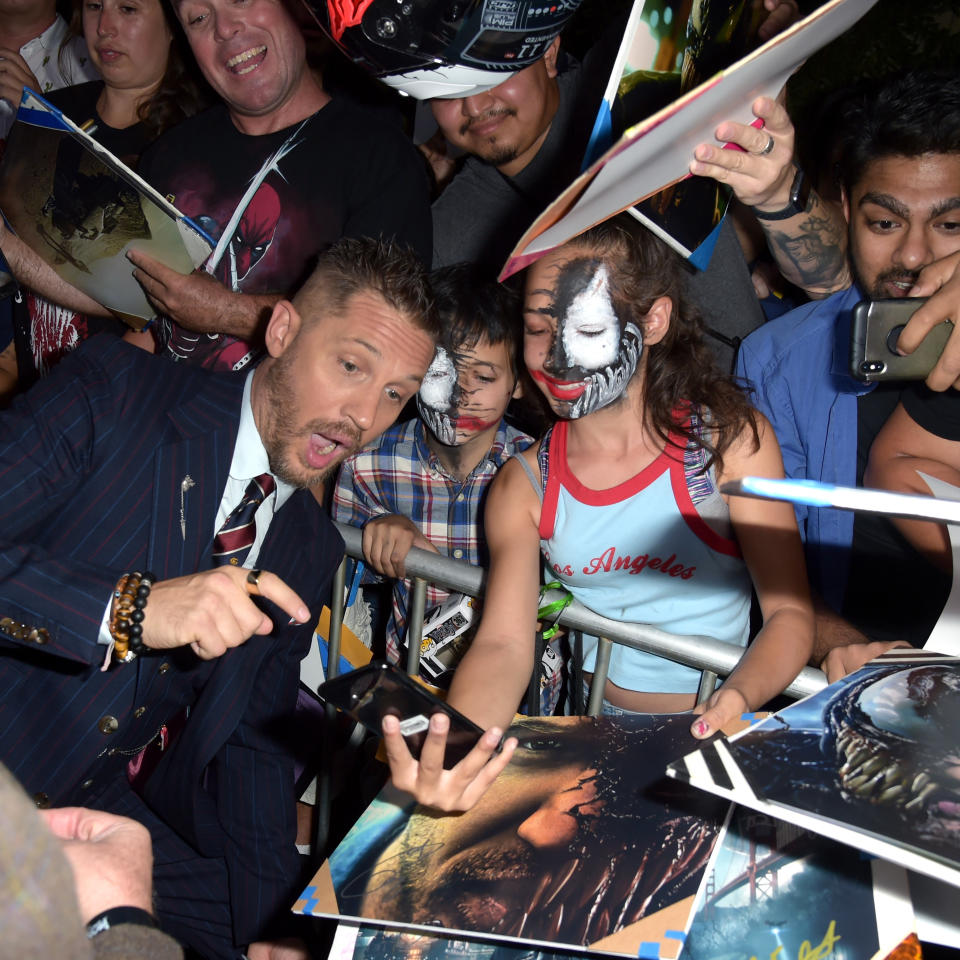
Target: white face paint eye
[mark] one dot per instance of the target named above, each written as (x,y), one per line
(591,327)
(439,381)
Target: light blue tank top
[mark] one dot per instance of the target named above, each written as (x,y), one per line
(641,552)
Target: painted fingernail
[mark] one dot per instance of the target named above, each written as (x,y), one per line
(701,727)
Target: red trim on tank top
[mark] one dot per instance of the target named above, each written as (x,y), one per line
(670,459)
(698,526)
(560,472)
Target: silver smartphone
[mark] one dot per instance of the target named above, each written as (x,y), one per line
(876,327)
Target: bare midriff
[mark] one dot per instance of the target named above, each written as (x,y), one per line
(642,702)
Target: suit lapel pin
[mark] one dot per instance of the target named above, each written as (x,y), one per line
(185,485)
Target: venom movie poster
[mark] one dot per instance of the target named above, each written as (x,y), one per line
(777,891)
(579,839)
(872,760)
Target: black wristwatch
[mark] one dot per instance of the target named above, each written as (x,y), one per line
(117,916)
(799,198)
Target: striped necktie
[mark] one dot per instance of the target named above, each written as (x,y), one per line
(235,538)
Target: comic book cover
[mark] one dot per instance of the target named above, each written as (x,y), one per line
(773,890)
(80,209)
(684,68)
(577,843)
(870,761)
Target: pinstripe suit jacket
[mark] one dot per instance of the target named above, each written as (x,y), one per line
(92,462)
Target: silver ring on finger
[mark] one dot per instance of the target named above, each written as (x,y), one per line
(767,147)
(253,583)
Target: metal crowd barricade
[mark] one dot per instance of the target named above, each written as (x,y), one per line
(713,657)
(707,654)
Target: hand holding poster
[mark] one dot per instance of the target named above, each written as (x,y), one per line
(81,210)
(576,843)
(655,153)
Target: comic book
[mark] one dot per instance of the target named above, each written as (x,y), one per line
(773,890)
(576,844)
(870,761)
(694,57)
(81,210)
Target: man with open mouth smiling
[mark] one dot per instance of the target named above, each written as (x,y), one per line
(900,174)
(276,173)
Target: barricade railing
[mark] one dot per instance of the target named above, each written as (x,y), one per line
(707,654)
(713,657)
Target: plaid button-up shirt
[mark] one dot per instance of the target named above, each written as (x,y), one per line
(399,474)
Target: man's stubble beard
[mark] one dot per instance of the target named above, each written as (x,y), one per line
(876,291)
(279,436)
(492,152)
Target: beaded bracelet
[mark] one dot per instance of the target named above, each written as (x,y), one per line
(126,614)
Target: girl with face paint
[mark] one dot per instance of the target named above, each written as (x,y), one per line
(621,501)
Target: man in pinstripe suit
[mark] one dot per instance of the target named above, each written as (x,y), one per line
(121,462)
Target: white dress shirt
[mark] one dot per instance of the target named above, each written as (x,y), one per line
(249,461)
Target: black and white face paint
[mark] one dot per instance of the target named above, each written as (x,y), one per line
(437,398)
(594,351)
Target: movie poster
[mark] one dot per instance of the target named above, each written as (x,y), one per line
(872,760)
(776,891)
(696,64)
(670,47)
(81,210)
(581,840)
(352,942)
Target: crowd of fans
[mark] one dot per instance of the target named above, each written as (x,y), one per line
(168,540)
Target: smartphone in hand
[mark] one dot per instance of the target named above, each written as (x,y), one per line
(378,690)
(874,333)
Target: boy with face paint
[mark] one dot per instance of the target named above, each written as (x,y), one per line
(423,483)
(622,501)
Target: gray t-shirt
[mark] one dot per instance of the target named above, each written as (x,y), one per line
(483,213)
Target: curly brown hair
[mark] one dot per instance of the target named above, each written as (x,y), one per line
(681,373)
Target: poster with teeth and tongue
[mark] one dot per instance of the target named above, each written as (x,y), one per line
(872,761)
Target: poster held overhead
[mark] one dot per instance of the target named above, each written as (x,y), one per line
(654,154)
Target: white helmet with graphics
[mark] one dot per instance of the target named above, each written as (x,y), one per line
(443,48)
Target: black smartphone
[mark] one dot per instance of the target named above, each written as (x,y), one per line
(379,690)
(873,341)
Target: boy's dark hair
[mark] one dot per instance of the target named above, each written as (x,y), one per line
(906,114)
(680,370)
(473,307)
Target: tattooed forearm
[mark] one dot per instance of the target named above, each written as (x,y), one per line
(811,248)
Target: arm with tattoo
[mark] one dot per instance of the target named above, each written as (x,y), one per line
(811,247)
